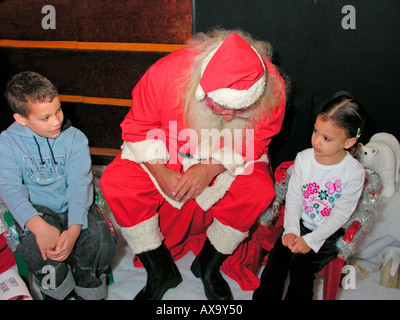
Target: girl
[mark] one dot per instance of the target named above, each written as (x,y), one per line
(323,192)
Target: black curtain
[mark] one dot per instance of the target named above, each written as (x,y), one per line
(322,46)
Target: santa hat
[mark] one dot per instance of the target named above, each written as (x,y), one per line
(232,75)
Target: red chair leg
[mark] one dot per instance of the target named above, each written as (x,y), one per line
(332,276)
(256,259)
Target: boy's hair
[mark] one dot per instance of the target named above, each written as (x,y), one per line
(28,87)
(346,112)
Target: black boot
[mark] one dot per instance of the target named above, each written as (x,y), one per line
(162,273)
(207,267)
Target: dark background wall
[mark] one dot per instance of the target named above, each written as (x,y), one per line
(310,46)
(321,57)
(90,73)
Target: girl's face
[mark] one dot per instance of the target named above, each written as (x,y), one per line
(329,142)
(44,119)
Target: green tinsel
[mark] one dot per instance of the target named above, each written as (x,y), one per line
(7,227)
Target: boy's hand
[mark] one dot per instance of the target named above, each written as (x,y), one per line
(300,246)
(66,243)
(46,235)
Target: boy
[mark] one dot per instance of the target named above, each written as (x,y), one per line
(46,183)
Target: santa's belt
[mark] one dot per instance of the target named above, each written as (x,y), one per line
(185,155)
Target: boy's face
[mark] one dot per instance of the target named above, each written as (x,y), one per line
(44,119)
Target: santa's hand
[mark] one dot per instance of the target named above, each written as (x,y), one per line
(195,180)
(166,178)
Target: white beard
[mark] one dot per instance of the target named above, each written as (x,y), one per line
(209,129)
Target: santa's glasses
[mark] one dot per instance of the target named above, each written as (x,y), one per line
(222,111)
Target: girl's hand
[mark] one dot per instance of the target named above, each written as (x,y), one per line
(288,240)
(300,246)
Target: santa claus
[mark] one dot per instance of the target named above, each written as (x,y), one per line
(193,172)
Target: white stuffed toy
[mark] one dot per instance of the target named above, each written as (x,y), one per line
(382,155)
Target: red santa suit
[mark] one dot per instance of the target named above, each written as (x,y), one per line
(155,128)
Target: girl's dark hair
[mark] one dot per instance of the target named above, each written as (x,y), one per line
(28,87)
(346,112)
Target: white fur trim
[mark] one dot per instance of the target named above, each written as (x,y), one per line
(229,158)
(211,195)
(238,99)
(145,150)
(144,236)
(225,238)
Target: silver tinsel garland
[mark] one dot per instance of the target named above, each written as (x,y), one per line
(273,210)
(367,212)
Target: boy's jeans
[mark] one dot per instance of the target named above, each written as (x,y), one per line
(93,251)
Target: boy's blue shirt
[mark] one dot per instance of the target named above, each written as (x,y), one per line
(55,173)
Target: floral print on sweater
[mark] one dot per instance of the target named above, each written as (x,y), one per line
(321,200)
